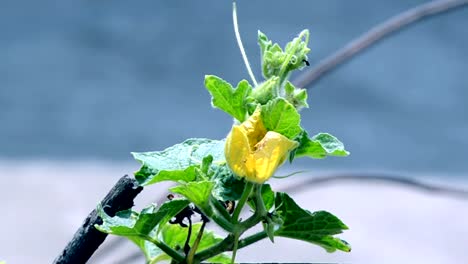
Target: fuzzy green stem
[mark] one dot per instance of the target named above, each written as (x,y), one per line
(252,239)
(217,249)
(235,216)
(260,209)
(229,242)
(234,248)
(191,255)
(259,203)
(218,218)
(239,42)
(220,208)
(240,205)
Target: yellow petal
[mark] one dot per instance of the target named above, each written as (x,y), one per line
(254,129)
(270,153)
(237,152)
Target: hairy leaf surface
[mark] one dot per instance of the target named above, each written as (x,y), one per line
(177,163)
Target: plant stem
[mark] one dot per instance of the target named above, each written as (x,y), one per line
(252,239)
(216,249)
(239,42)
(229,242)
(194,248)
(217,217)
(187,241)
(164,247)
(245,195)
(235,217)
(220,209)
(259,203)
(260,210)
(221,221)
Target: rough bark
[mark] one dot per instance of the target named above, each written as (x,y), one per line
(87,239)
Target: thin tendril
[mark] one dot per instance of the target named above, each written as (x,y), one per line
(196,243)
(239,42)
(288,175)
(187,241)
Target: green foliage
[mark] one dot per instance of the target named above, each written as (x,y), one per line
(228,99)
(142,227)
(320,146)
(268,197)
(297,97)
(280,116)
(276,62)
(177,163)
(197,192)
(317,228)
(175,236)
(203,176)
(266,91)
(227,186)
(129,223)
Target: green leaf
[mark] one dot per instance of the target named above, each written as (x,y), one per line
(268,197)
(206,163)
(271,62)
(177,163)
(269,229)
(317,228)
(122,224)
(227,186)
(135,226)
(331,244)
(175,237)
(221,258)
(320,146)
(289,89)
(197,192)
(281,116)
(263,42)
(169,209)
(228,99)
(297,97)
(129,223)
(152,253)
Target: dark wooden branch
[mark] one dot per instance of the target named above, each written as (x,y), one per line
(87,239)
(376,34)
(108,248)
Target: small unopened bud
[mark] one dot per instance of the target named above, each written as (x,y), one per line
(266,91)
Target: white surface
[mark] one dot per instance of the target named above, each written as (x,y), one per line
(44,203)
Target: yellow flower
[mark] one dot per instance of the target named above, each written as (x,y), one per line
(255,153)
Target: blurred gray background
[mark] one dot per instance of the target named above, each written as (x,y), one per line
(99,79)
(84,83)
